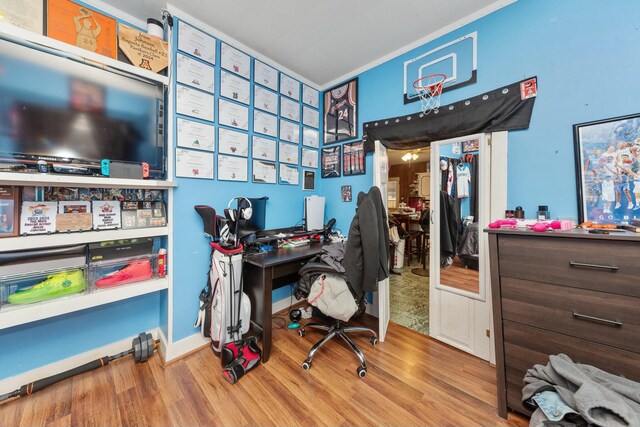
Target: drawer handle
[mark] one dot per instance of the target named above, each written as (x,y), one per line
(608,322)
(597,266)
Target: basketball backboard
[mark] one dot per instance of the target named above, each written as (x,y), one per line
(456,59)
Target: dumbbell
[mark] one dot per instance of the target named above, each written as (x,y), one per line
(142,348)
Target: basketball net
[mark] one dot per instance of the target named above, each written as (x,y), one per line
(429,89)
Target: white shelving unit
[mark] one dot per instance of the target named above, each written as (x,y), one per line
(19,315)
(11,316)
(11,32)
(62,180)
(41,241)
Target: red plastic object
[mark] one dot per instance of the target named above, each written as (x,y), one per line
(134,272)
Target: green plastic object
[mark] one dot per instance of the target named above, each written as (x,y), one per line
(56,285)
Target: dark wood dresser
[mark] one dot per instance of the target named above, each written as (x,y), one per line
(563,292)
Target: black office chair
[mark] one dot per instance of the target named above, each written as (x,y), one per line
(308,273)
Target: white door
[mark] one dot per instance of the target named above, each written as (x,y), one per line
(459,298)
(381,180)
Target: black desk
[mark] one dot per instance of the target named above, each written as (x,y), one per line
(268,271)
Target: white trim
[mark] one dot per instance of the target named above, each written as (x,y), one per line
(180,14)
(424,40)
(180,348)
(282,304)
(170,114)
(12,383)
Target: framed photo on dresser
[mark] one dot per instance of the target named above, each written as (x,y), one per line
(607,158)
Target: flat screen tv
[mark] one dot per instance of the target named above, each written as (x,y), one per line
(63,111)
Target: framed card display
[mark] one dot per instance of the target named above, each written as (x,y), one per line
(196,43)
(265,124)
(263,148)
(608,170)
(233,60)
(232,168)
(265,75)
(471,145)
(353,161)
(82,26)
(264,172)
(196,135)
(310,137)
(345,193)
(310,96)
(9,211)
(290,109)
(195,73)
(264,99)
(194,164)
(106,214)
(38,217)
(289,132)
(232,114)
(234,87)
(289,174)
(341,112)
(289,87)
(288,153)
(309,158)
(232,142)
(310,117)
(194,103)
(309,180)
(27,14)
(330,162)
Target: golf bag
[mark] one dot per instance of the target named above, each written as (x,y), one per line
(225,310)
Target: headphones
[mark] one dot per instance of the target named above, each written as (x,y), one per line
(243,213)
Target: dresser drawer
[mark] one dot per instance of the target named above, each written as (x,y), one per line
(601,317)
(525,346)
(602,265)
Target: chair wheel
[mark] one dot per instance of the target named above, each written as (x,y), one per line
(302,332)
(361,371)
(306,365)
(373,340)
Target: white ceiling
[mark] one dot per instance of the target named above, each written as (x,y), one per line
(328,40)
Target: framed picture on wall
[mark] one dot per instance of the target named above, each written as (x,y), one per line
(353,158)
(345,193)
(309,180)
(330,162)
(470,145)
(607,157)
(27,14)
(341,112)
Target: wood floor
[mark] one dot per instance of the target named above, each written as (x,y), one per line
(411,380)
(456,276)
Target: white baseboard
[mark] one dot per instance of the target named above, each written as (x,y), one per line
(12,383)
(182,347)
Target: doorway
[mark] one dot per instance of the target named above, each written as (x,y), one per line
(408,198)
(458,309)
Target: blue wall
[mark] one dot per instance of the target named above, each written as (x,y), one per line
(191,248)
(585,55)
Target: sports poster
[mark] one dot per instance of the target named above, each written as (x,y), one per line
(353,159)
(341,112)
(82,27)
(330,162)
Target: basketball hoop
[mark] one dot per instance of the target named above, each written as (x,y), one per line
(429,89)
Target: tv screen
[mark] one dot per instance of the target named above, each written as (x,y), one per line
(58,109)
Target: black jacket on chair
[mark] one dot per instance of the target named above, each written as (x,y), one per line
(367,255)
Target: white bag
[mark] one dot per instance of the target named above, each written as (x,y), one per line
(331,295)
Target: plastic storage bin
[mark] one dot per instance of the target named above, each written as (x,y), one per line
(118,272)
(29,288)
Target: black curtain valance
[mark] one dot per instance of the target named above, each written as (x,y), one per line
(498,110)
